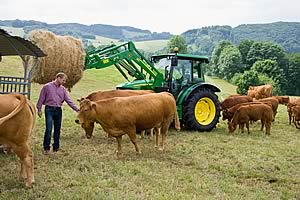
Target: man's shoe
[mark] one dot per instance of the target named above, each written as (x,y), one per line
(46,152)
(56,150)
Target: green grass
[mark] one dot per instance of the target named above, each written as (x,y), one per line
(213,165)
(152,45)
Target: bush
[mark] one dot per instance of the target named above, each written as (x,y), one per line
(253,78)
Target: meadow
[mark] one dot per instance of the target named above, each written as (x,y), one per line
(148,46)
(195,165)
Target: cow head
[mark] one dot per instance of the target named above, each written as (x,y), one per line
(225,114)
(231,127)
(86,116)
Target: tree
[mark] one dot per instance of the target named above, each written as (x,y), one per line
(244,47)
(230,62)
(250,78)
(177,41)
(271,69)
(214,66)
(293,80)
(266,50)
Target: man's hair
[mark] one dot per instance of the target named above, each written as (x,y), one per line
(61,75)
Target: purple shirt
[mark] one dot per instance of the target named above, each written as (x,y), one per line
(53,95)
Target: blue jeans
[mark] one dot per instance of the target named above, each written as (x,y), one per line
(53,115)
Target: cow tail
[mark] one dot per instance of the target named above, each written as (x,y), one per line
(21,105)
(33,112)
(177,122)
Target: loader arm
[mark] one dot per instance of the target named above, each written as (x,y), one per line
(126,58)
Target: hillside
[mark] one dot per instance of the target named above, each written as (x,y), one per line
(203,40)
(200,41)
(89,31)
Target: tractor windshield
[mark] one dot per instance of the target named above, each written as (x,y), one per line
(181,72)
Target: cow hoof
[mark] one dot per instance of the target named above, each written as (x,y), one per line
(161,149)
(28,185)
(138,153)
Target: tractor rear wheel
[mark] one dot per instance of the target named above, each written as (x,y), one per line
(201,111)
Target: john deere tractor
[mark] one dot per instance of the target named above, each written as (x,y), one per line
(180,74)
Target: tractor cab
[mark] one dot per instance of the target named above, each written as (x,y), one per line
(180,70)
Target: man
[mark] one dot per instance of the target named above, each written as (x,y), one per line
(52,95)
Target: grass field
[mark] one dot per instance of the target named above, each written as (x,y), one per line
(211,165)
(148,46)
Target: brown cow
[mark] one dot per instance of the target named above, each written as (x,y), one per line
(296,115)
(127,115)
(274,102)
(234,100)
(293,102)
(100,95)
(17,118)
(253,112)
(283,99)
(228,113)
(260,92)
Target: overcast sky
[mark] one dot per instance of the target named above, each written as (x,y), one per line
(175,16)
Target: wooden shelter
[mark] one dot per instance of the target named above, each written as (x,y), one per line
(17,46)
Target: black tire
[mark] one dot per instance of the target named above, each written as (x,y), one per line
(201,111)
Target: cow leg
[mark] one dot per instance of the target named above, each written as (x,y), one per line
(119,149)
(164,132)
(262,124)
(143,134)
(247,126)
(26,157)
(296,124)
(132,136)
(157,133)
(151,132)
(241,127)
(268,127)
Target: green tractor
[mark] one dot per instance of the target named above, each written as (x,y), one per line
(180,74)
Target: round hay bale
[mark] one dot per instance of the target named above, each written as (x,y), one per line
(64,54)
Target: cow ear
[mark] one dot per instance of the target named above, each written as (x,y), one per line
(93,105)
(81,99)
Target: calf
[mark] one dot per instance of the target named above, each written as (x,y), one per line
(127,115)
(254,112)
(228,113)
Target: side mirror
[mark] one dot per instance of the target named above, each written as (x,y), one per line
(167,73)
(174,61)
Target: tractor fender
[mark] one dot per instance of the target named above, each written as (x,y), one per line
(184,94)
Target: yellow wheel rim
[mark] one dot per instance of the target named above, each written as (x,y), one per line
(205,111)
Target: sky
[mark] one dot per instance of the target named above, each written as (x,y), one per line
(174,16)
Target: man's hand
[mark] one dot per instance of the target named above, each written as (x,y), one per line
(40,114)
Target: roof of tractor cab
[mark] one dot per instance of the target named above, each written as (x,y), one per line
(182,57)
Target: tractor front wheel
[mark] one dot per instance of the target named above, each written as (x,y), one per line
(201,111)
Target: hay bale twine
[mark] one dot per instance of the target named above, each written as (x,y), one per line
(64,54)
